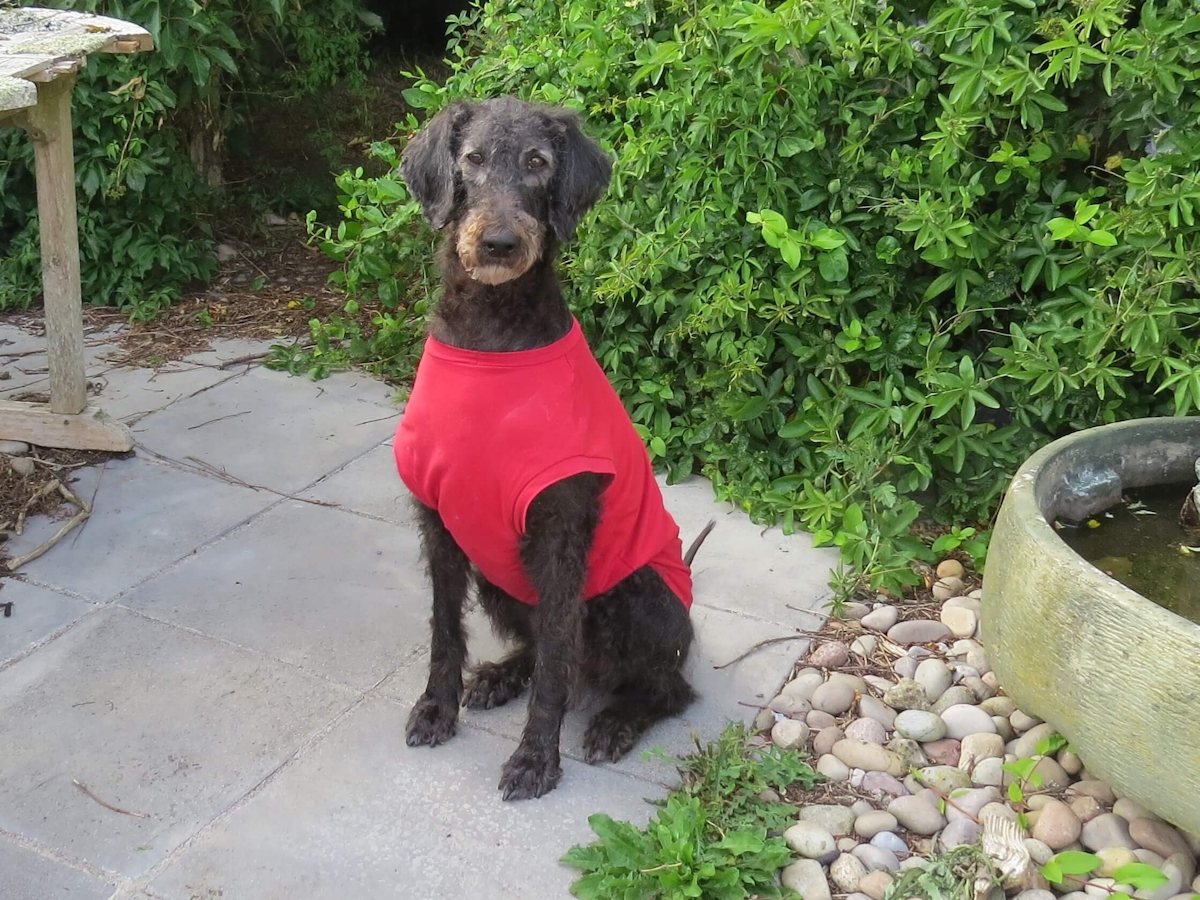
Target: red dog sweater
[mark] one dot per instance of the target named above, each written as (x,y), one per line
(484,433)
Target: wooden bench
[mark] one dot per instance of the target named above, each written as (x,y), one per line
(40,52)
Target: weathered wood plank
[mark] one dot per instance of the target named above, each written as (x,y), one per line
(16,94)
(36,424)
(49,125)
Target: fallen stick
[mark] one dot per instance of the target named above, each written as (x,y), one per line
(754,649)
(74,522)
(125,812)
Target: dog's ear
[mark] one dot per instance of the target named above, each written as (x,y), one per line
(583,174)
(428,166)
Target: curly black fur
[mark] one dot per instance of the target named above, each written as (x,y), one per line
(633,641)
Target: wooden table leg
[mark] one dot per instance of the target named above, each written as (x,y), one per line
(49,125)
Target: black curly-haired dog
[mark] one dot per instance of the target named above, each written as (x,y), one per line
(507,182)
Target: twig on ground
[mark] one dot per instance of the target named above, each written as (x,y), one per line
(219,419)
(125,812)
(765,643)
(76,520)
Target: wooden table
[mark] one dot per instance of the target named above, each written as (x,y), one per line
(40,52)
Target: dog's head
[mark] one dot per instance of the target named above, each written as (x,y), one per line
(507,176)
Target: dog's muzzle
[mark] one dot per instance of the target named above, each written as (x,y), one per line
(495,249)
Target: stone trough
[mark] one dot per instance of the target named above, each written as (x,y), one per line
(1116,674)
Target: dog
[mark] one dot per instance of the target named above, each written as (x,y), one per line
(528,476)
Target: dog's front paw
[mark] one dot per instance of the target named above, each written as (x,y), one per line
(610,735)
(529,774)
(431,722)
(494,684)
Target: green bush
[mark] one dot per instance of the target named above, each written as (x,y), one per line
(857,261)
(142,124)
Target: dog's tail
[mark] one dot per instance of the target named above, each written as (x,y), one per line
(691,551)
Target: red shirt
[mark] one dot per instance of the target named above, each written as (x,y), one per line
(485,433)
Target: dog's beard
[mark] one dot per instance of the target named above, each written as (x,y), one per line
(479,266)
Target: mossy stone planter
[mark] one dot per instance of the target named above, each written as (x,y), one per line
(1116,674)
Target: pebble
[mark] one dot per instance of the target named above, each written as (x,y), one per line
(867,730)
(977,660)
(1087,808)
(919,725)
(1035,894)
(945,752)
(764,720)
(1130,809)
(1038,851)
(909,752)
(1186,863)
(790,705)
(826,738)
(917,815)
(961,622)
(977,747)
(906,694)
(961,602)
(22,465)
(969,803)
(1002,810)
(804,684)
(1027,743)
(864,645)
(818,719)
(833,768)
(957,833)
(1057,827)
(933,675)
(1004,728)
(788,734)
(992,680)
(14,448)
(905,667)
(807,878)
(883,783)
(846,872)
(1156,835)
(962,720)
(1113,858)
(1107,830)
(890,841)
(866,756)
(998,706)
(846,844)
(1149,857)
(988,772)
(980,688)
(950,568)
(1070,762)
(811,841)
(1022,722)
(855,611)
(1094,788)
(877,682)
(881,619)
(829,655)
(833,697)
(876,858)
(869,824)
(875,884)
(918,631)
(1052,774)
(945,588)
(955,696)
(945,778)
(833,818)
(876,709)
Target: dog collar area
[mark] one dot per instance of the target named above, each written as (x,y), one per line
(533,357)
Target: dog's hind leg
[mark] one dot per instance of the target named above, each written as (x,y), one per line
(434,716)
(637,638)
(494,684)
(559,528)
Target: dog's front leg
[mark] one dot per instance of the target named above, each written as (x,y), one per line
(433,717)
(559,528)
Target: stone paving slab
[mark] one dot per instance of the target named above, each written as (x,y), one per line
(720,637)
(145,517)
(270,429)
(25,875)
(152,719)
(369,485)
(36,614)
(363,817)
(338,594)
(132,394)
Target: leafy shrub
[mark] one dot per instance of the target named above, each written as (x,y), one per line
(142,124)
(857,260)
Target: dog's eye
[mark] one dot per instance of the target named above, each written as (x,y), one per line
(475,157)
(535,162)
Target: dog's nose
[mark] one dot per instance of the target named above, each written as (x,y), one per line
(500,243)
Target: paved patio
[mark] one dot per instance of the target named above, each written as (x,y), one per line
(232,657)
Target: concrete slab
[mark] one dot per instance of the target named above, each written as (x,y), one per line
(36,614)
(720,637)
(152,719)
(744,568)
(361,816)
(270,429)
(338,594)
(25,875)
(145,516)
(369,485)
(132,394)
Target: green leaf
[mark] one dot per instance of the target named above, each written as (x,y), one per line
(834,265)
(1102,238)
(1076,862)
(417,98)
(1141,876)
